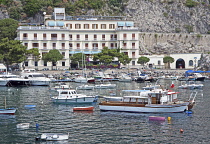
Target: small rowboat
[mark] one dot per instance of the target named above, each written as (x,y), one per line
(83,108)
(156,118)
(23,125)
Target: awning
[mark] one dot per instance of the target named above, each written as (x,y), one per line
(120,23)
(51,23)
(60,23)
(129,24)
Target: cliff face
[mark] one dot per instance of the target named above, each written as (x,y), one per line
(169,16)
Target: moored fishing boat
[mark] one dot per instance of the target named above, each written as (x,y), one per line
(83,108)
(154,101)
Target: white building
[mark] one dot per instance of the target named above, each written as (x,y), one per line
(85,34)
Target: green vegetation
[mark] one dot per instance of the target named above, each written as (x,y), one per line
(191,3)
(198,35)
(142,60)
(189,28)
(12,51)
(52,56)
(165,14)
(167,60)
(177,30)
(8,28)
(78,58)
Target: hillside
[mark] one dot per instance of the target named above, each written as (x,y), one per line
(162,16)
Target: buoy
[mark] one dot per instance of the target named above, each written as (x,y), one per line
(37,125)
(181,130)
(169,118)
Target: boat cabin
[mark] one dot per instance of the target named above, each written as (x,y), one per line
(67,92)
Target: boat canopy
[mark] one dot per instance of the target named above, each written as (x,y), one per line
(187,73)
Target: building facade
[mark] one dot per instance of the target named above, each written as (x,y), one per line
(85,34)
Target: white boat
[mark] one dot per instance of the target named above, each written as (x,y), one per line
(59,86)
(54,136)
(190,85)
(105,85)
(149,101)
(35,78)
(3,81)
(150,86)
(85,87)
(23,125)
(125,78)
(71,96)
(6,110)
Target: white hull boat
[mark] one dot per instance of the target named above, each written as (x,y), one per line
(149,101)
(105,86)
(3,82)
(23,125)
(85,87)
(8,111)
(54,136)
(71,96)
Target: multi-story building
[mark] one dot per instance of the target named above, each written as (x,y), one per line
(86,34)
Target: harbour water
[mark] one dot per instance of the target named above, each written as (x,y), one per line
(101,127)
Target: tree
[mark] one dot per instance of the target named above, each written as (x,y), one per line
(142,60)
(167,60)
(52,56)
(106,56)
(8,28)
(12,51)
(34,53)
(31,7)
(124,59)
(78,58)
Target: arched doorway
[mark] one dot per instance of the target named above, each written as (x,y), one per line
(180,63)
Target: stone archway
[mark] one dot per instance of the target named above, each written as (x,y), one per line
(180,63)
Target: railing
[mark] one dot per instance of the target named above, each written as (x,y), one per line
(41,27)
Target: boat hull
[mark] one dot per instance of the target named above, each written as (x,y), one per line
(10,111)
(75,100)
(146,108)
(54,137)
(83,108)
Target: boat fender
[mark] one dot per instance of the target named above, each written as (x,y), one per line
(181,130)
(169,118)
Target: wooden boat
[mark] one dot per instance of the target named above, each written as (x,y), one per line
(7,110)
(149,101)
(83,108)
(71,96)
(23,125)
(54,136)
(156,118)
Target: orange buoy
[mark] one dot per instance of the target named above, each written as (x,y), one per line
(181,130)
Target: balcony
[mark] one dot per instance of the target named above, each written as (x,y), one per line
(70,47)
(95,47)
(25,38)
(54,38)
(127,29)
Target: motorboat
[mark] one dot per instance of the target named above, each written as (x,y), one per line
(83,108)
(190,85)
(54,136)
(23,125)
(15,80)
(125,78)
(85,87)
(149,101)
(3,81)
(105,85)
(59,86)
(71,96)
(150,86)
(35,78)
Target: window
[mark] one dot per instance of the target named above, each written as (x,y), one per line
(54,63)
(63,36)
(63,53)
(126,53)
(78,45)
(111,26)
(86,45)
(78,37)
(63,63)
(70,45)
(124,45)
(86,37)
(112,45)
(26,44)
(26,63)
(133,62)
(94,26)
(35,45)
(159,62)
(44,36)
(191,63)
(77,26)
(54,45)
(133,36)
(35,36)
(86,26)
(45,45)
(69,26)
(95,37)
(54,36)
(103,45)
(133,54)
(25,36)
(45,63)
(133,45)
(103,36)
(63,45)
(35,63)
(95,46)
(70,37)
(103,26)
(125,36)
